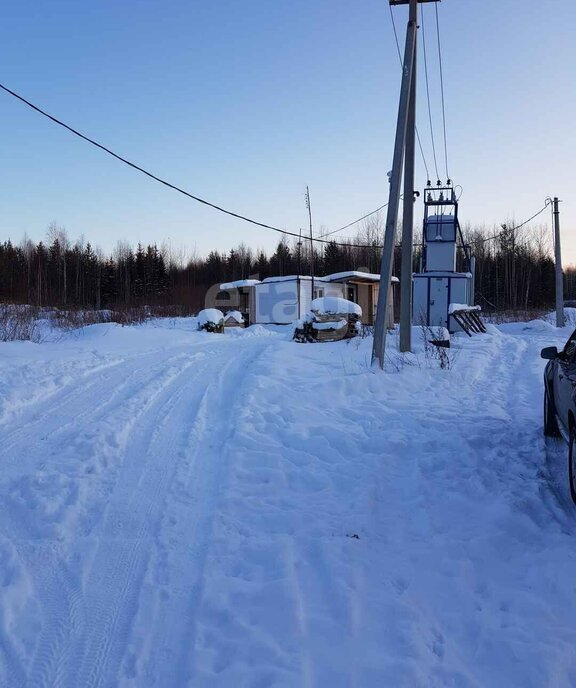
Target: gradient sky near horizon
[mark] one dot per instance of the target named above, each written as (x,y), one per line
(245,103)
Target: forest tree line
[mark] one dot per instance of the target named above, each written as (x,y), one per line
(514,269)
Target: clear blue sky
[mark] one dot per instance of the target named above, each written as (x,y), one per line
(244,103)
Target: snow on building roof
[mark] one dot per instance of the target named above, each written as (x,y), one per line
(239,283)
(292,278)
(335,277)
(352,274)
(335,304)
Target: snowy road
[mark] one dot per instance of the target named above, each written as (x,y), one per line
(179,509)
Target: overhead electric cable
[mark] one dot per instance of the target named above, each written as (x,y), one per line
(402,66)
(168,184)
(442,90)
(428,93)
(513,229)
(355,221)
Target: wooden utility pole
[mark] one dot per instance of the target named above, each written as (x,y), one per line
(379,347)
(558,258)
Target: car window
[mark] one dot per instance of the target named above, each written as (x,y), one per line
(569,352)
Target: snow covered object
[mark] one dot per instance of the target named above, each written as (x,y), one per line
(331,318)
(334,305)
(234,319)
(467,317)
(211,320)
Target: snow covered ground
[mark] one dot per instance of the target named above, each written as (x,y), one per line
(186,509)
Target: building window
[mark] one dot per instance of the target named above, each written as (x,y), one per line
(318,293)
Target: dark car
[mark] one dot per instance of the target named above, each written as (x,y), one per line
(560,400)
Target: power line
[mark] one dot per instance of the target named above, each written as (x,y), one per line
(442,89)
(513,229)
(355,221)
(350,242)
(166,183)
(402,65)
(428,93)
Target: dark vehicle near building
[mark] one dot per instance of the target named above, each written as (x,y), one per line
(560,400)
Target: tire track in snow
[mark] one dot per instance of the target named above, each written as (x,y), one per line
(46,558)
(40,550)
(59,412)
(97,428)
(168,654)
(121,562)
(61,593)
(86,633)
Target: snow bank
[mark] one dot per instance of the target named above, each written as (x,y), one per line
(422,333)
(258,331)
(328,305)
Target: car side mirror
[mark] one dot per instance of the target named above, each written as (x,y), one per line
(549,353)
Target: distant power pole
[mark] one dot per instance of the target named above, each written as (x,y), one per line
(559,275)
(311,240)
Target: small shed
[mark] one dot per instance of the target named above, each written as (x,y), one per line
(362,288)
(239,295)
(234,319)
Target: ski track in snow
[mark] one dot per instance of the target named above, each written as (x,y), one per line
(244,511)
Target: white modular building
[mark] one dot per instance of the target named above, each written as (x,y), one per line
(282,300)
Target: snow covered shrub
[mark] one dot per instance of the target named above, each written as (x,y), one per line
(171,311)
(18,323)
(436,354)
(75,319)
(211,320)
(131,315)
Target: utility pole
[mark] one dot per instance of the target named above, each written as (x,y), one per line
(379,347)
(558,259)
(408,217)
(299,244)
(311,241)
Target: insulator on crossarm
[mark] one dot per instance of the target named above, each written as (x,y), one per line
(438,183)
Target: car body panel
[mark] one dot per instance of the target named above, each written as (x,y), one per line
(560,385)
